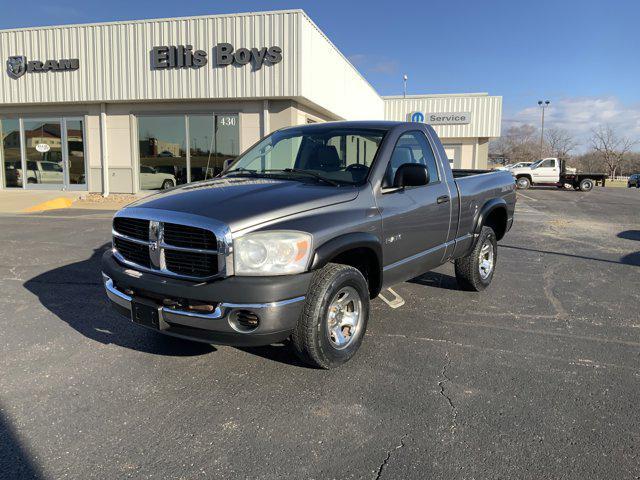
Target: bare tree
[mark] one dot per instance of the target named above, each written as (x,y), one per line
(611,147)
(559,142)
(517,144)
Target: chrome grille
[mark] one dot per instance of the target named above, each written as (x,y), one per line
(168,248)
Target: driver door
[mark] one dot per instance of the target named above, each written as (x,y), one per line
(415,220)
(547,172)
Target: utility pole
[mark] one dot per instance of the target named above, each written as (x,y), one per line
(543,106)
(404,87)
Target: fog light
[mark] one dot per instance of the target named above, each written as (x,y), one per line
(244,321)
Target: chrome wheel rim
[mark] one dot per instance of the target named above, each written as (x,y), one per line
(486,260)
(343,317)
(522,182)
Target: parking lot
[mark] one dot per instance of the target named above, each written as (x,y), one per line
(537,377)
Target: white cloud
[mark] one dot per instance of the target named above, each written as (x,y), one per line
(373,63)
(579,115)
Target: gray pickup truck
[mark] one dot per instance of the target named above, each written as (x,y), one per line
(297,235)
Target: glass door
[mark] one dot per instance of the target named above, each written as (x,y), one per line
(53,154)
(42,152)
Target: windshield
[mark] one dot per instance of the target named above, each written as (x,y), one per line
(328,154)
(535,164)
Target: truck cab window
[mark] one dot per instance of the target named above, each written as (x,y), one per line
(412,147)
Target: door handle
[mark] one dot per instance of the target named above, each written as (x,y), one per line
(443,199)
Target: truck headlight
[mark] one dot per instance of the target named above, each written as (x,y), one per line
(276,252)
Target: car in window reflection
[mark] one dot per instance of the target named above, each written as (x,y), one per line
(152,179)
(41,171)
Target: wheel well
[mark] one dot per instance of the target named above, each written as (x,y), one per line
(497,220)
(366,261)
(525,176)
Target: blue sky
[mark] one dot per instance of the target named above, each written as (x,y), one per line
(581,55)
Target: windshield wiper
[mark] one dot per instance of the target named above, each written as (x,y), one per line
(315,175)
(241,170)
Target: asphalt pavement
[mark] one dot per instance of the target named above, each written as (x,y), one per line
(537,377)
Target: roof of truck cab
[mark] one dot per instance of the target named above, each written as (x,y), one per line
(378,124)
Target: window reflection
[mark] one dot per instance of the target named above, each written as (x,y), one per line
(10,136)
(163,161)
(43,149)
(202,141)
(75,151)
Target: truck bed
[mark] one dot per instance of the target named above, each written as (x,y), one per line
(465,172)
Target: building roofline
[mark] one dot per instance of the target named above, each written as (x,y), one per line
(429,95)
(151,20)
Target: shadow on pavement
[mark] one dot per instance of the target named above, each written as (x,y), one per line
(15,460)
(630,235)
(630,259)
(74,293)
(437,280)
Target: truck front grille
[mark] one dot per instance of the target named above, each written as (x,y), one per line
(167,248)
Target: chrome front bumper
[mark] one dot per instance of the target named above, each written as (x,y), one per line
(276,319)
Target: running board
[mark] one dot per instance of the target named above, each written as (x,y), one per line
(396,302)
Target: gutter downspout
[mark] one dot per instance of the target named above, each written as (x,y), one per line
(265,118)
(104,150)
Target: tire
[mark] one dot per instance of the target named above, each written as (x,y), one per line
(586,185)
(523,183)
(31,180)
(167,184)
(312,340)
(468,269)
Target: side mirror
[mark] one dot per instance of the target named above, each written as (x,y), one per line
(227,163)
(411,175)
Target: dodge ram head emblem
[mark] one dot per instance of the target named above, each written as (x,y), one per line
(17,66)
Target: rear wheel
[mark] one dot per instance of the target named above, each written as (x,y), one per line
(475,271)
(523,183)
(586,185)
(334,320)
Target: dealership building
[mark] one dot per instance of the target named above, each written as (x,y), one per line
(126,107)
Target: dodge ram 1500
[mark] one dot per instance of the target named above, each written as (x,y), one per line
(296,236)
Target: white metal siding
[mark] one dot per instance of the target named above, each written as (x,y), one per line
(115,60)
(331,81)
(486,113)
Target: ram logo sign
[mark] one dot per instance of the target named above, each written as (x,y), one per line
(17,66)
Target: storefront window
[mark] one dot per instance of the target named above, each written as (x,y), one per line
(10,136)
(163,158)
(168,153)
(75,151)
(202,142)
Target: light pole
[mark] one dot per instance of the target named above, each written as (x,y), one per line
(542,105)
(404,85)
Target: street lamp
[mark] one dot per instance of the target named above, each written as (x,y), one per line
(404,87)
(542,105)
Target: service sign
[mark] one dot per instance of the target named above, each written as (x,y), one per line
(441,118)
(43,147)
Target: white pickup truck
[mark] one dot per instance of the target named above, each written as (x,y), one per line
(552,171)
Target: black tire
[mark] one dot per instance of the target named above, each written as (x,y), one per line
(586,185)
(167,184)
(468,268)
(31,180)
(523,183)
(311,339)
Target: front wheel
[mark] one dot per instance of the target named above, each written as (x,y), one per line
(334,319)
(475,271)
(167,184)
(523,183)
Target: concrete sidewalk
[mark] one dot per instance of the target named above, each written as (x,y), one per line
(31,201)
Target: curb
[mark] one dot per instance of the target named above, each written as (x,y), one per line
(55,204)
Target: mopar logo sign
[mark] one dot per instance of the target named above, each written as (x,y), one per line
(445,118)
(416,117)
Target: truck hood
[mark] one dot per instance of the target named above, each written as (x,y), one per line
(520,170)
(246,202)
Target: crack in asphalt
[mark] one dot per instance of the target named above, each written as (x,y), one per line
(388,457)
(454,410)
